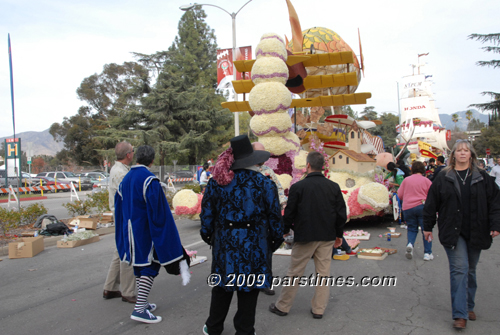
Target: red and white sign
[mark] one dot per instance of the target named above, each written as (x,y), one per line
(488,151)
(225,63)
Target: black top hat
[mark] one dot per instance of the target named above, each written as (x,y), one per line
(244,155)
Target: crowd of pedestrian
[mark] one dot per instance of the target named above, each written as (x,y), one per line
(245,216)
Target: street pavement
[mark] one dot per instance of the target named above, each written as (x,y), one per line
(59,291)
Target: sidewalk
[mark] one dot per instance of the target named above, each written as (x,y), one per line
(50,241)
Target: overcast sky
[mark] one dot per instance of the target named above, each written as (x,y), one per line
(56,44)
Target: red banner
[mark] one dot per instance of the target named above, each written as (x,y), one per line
(225,63)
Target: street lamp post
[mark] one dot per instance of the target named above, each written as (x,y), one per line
(233,18)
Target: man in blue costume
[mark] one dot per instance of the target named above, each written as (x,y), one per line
(241,220)
(146,234)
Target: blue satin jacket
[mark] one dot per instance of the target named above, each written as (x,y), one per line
(242,222)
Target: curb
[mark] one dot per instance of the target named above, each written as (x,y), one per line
(51,241)
(4,201)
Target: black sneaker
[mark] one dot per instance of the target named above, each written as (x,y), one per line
(268,291)
(316,316)
(275,310)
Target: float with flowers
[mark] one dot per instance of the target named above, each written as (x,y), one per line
(319,68)
(187,204)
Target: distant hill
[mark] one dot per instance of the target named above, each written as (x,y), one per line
(43,142)
(462,122)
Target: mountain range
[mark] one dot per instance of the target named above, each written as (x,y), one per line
(462,121)
(42,142)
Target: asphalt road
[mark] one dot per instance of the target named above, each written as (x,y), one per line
(59,291)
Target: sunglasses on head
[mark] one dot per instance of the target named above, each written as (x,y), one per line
(462,140)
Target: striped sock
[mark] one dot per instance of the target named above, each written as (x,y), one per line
(144,285)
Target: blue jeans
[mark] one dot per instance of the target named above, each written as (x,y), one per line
(344,246)
(414,218)
(463,261)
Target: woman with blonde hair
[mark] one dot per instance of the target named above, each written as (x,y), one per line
(468,202)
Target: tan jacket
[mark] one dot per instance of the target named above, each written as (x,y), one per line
(116,175)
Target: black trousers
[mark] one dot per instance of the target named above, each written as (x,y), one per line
(244,320)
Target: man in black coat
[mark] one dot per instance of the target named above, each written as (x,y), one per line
(316,211)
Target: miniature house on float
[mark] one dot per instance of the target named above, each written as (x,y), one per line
(352,159)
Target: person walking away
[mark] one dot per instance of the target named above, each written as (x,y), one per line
(241,220)
(146,234)
(413,192)
(495,172)
(317,213)
(204,176)
(120,274)
(468,203)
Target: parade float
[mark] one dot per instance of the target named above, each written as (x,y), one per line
(420,129)
(295,95)
(323,70)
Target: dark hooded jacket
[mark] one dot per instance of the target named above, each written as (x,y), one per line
(444,197)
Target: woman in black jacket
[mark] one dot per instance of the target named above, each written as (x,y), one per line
(468,203)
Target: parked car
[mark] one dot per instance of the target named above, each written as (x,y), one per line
(95,175)
(104,183)
(64,176)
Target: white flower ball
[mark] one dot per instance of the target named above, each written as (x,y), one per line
(267,98)
(271,124)
(269,69)
(186,198)
(271,45)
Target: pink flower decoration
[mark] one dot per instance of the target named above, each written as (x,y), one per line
(222,172)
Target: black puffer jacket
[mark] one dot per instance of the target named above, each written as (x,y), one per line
(444,198)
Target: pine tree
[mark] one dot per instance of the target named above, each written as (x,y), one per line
(493,106)
(183,116)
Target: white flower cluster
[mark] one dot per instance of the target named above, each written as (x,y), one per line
(269,69)
(270,97)
(280,123)
(271,45)
(285,180)
(186,198)
(375,195)
(280,145)
(300,159)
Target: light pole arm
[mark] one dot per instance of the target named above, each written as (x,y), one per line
(207,4)
(242,7)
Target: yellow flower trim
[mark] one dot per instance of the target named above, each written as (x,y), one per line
(267,98)
(375,195)
(275,124)
(186,198)
(300,159)
(285,180)
(269,69)
(280,145)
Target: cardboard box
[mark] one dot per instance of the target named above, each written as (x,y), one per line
(393,235)
(26,247)
(74,244)
(390,251)
(375,256)
(88,223)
